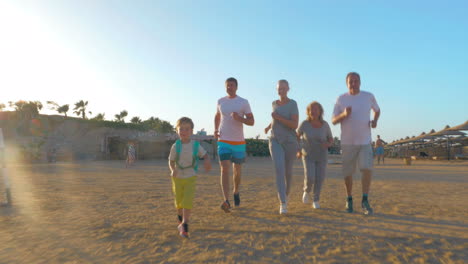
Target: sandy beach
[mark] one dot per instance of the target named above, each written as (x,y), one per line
(100,212)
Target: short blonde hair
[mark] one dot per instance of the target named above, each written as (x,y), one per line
(309,108)
(184,120)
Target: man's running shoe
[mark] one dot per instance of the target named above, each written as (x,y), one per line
(316,205)
(226,207)
(236,199)
(349,206)
(367,208)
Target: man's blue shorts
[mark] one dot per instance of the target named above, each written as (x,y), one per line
(233,152)
(379,151)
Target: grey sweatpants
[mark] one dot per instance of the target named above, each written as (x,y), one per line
(314,176)
(283,156)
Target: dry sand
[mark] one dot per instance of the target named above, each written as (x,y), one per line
(100,212)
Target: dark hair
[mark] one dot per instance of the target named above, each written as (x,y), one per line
(284,81)
(184,120)
(353,73)
(231,79)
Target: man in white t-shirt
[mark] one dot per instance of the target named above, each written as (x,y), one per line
(232,112)
(352,110)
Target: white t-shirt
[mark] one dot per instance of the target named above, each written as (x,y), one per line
(355,129)
(185,159)
(230,129)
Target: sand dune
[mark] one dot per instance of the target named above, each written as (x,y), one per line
(100,212)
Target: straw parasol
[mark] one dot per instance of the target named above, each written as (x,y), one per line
(463,126)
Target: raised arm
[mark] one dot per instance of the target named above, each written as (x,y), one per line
(342,116)
(248,119)
(291,123)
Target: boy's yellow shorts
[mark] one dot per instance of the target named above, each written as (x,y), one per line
(184,191)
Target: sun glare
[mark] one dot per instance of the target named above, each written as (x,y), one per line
(36,64)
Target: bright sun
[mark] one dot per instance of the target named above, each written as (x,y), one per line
(35,63)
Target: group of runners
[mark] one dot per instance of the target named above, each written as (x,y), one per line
(288,140)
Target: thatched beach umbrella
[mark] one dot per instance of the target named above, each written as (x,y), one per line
(461,127)
(445,134)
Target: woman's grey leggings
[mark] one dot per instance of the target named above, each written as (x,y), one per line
(283,156)
(314,174)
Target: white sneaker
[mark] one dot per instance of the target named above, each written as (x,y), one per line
(316,205)
(283,208)
(306,198)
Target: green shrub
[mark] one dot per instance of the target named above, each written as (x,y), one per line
(257,147)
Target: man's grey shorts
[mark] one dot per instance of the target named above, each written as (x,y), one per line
(356,154)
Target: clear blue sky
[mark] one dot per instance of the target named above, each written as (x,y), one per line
(170,58)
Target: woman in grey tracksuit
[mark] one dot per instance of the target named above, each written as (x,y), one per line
(283,141)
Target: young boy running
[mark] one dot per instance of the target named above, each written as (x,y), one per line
(183,163)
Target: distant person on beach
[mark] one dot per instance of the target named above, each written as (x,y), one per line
(131,154)
(316,139)
(232,112)
(379,150)
(183,163)
(283,142)
(52,155)
(352,110)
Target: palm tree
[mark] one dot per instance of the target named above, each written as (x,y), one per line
(158,125)
(135,120)
(121,117)
(52,105)
(99,117)
(80,108)
(60,109)
(63,109)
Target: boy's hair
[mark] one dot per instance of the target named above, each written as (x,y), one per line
(184,120)
(231,79)
(283,81)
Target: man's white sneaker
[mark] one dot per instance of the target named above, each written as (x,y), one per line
(316,205)
(283,208)
(306,198)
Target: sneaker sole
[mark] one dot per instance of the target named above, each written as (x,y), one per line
(225,208)
(368,211)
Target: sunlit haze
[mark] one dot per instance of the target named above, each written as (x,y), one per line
(170,58)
